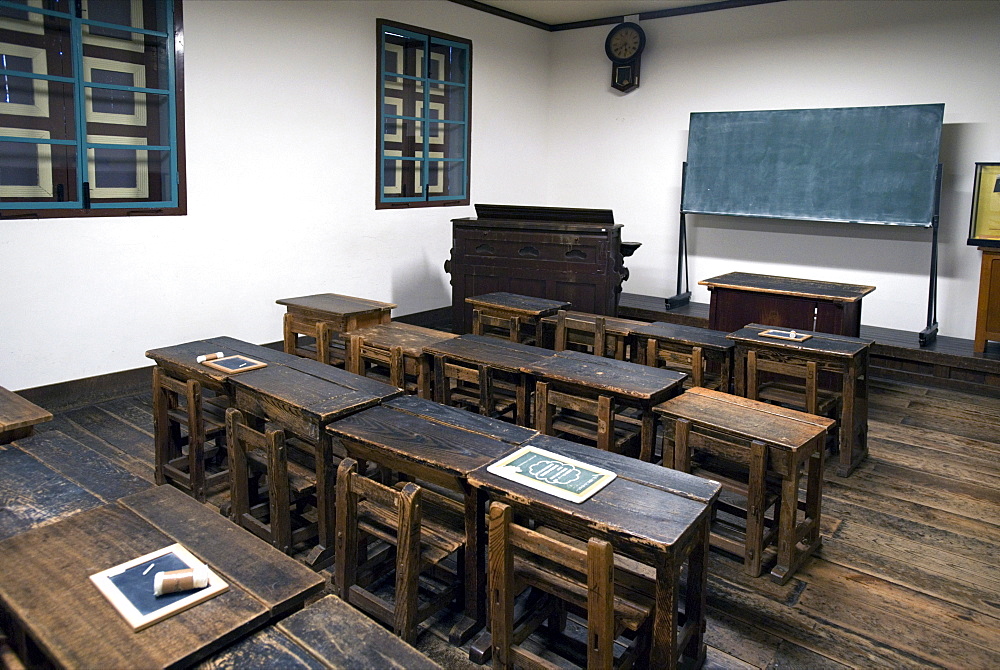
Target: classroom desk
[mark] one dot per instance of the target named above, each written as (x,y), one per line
(304,404)
(654,515)
(398,346)
(68,620)
(843,368)
(625,384)
(440,445)
(617,332)
(525,310)
(489,360)
(739,298)
(324,316)
(706,353)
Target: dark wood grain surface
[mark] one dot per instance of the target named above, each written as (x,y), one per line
(621,378)
(496,353)
(804,288)
(333,303)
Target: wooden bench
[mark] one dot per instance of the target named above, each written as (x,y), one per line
(399,348)
(579,330)
(18,417)
(704,354)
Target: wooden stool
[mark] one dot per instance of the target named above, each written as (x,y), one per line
(398,348)
(704,354)
(325,317)
(511,316)
(252,455)
(369,511)
(825,374)
(516,554)
(182,417)
(758,451)
(18,416)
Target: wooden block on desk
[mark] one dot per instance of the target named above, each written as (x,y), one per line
(18,416)
(280,582)
(32,494)
(344,637)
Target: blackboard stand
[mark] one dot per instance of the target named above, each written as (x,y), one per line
(682,297)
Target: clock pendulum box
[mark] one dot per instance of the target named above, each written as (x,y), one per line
(574,255)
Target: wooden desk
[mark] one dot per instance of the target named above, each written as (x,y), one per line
(620,384)
(69,621)
(527,311)
(491,362)
(326,315)
(795,441)
(616,331)
(303,405)
(657,516)
(439,445)
(676,346)
(739,298)
(397,346)
(18,416)
(842,363)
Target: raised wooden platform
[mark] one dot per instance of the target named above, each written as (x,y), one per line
(948,362)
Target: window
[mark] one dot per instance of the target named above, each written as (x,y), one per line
(91,117)
(424,83)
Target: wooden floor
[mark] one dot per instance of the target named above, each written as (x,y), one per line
(908,575)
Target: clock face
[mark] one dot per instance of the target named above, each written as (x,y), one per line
(625,42)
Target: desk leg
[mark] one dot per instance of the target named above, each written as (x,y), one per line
(647,435)
(321,556)
(474,579)
(695,598)
(664,633)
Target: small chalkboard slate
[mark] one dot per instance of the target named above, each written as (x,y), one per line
(129,586)
(557,475)
(790,335)
(234,364)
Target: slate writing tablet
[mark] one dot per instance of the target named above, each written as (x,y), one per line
(129,586)
(234,364)
(557,475)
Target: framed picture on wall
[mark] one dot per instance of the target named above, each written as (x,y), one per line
(984,229)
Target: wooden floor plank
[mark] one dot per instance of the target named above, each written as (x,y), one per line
(33,494)
(918,457)
(82,465)
(935,439)
(883,557)
(871,593)
(132,412)
(119,434)
(140,467)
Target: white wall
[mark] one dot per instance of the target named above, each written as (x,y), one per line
(625,151)
(281,137)
(280,110)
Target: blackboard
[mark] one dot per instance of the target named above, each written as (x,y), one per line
(852,164)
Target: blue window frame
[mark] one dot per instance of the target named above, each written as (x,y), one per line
(424,81)
(91,120)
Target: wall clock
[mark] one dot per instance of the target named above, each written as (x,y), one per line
(624,46)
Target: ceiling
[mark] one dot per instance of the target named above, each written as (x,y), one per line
(560,12)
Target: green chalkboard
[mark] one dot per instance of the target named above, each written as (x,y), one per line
(852,164)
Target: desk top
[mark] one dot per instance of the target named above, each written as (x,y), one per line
(689,335)
(320,400)
(622,378)
(427,434)
(838,346)
(62,609)
(637,512)
(804,288)
(181,358)
(523,305)
(334,304)
(492,351)
(412,339)
(774,425)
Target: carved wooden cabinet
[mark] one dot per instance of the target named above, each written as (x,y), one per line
(575,255)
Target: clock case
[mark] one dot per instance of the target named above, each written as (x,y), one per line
(625,71)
